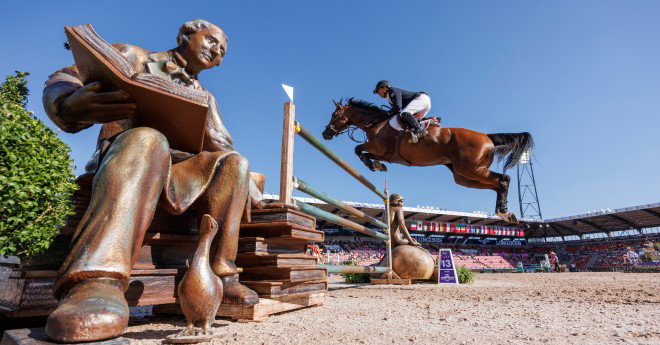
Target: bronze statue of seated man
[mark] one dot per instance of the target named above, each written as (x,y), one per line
(136,172)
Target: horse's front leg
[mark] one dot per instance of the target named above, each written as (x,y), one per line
(365,157)
(368,158)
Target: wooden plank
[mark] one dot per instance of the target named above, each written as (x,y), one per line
(282,229)
(275,260)
(281,289)
(259,311)
(274,245)
(278,213)
(286,166)
(393,281)
(289,274)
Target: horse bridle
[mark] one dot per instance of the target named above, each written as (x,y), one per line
(330,125)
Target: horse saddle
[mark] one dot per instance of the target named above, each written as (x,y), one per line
(398,124)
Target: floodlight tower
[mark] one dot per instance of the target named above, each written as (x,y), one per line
(527,195)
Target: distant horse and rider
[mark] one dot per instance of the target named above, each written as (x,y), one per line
(467,154)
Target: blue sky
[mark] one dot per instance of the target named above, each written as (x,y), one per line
(582,76)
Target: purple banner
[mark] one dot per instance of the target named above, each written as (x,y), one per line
(446,270)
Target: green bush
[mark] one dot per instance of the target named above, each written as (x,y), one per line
(355,278)
(465,275)
(36,175)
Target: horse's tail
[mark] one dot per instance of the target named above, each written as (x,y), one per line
(511,146)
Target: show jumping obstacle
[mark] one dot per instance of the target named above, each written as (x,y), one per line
(288,182)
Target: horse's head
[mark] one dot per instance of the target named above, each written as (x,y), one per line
(338,122)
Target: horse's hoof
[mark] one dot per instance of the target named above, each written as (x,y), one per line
(378,166)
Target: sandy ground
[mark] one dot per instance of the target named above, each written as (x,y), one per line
(558,308)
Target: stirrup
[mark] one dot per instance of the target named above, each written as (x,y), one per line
(415,135)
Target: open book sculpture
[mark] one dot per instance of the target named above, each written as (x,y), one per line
(179,112)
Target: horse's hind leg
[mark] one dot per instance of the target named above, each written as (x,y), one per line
(466,182)
(497,182)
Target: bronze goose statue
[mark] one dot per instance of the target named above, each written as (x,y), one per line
(200,290)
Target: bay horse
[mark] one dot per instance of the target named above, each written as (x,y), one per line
(467,154)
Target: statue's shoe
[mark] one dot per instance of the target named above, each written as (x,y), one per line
(94,309)
(237,293)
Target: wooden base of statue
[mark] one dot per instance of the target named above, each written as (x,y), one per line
(193,339)
(390,279)
(272,253)
(37,336)
(260,311)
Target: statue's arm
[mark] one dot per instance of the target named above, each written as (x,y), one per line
(216,136)
(73,106)
(404,229)
(59,86)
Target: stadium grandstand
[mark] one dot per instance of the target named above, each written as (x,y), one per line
(595,241)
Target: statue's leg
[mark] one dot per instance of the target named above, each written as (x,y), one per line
(225,200)
(95,274)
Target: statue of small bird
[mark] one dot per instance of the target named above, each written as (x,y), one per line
(200,290)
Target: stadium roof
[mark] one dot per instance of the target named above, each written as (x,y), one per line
(605,221)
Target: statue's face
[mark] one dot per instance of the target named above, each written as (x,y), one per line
(205,49)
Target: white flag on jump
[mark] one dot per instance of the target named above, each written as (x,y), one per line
(289,91)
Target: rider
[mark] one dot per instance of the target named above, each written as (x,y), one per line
(412,105)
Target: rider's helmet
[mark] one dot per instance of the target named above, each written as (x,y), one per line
(381,84)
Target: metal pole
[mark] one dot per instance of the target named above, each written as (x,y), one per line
(354,269)
(333,218)
(307,188)
(536,194)
(310,138)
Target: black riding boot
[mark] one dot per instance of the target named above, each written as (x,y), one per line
(417,130)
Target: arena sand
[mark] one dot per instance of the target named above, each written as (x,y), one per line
(551,308)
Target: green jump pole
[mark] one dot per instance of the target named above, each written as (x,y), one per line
(310,138)
(307,188)
(355,269)
(333,218)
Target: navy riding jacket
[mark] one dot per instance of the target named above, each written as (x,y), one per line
(400,98)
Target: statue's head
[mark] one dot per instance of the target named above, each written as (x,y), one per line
(396,200)
(202,44)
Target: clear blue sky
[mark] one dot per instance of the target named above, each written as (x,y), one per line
(582,76)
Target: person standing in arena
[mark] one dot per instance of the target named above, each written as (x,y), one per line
(554,262)
(631,256)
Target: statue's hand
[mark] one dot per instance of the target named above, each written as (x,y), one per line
(89,105)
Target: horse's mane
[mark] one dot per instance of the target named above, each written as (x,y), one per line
(373,114)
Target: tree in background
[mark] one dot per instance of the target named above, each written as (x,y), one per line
(36,175)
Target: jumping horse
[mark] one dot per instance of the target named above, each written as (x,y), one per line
(467,154)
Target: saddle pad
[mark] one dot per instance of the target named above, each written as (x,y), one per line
(395,122)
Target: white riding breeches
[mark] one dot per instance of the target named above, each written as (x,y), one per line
(419,106)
